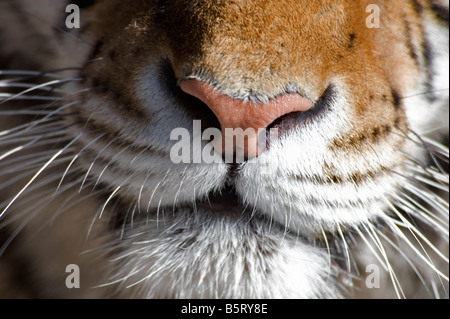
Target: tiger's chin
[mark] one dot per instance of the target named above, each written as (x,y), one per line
(218,248)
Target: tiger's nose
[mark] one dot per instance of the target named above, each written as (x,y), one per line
(244,123)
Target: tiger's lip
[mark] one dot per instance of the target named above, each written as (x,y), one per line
(228,206)
(223,203)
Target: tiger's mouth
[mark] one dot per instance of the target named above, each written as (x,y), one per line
(226,201)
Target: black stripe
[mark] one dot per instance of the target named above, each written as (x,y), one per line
(330,178)
(396,99)
(418,7)
(426,53)
(409,43)
(89,124)
(352,39)
(428,56)
(121,101)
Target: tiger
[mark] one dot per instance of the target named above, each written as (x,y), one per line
(224,149)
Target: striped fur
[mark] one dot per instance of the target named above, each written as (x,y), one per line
(86,176)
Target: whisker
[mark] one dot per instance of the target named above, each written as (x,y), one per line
(30,212)
(424,93)
(414,231)
(70,202)
(433,148)
(21,147)
(438,147)
(23,112)
(346,248)
(395,282)
(30,125)
(183,177)
(108,164)
(102,209)
(419,167)
(111,197)
(431,177)
(4,97)
(76,157)
(426,146)
(39,86)
(432,183)
(155,188)
(32,202)
(29,165)
(412,207)
(38,173)
(141,190)
(9,136)
(20,161)
(393,224)
(46,137)
(371,248)
(45,88)
(27,75)
(404,256)
(93,162)
(327,244)
(430,198)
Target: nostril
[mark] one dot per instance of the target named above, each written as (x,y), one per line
(288,122)
(251,118)
(193,106)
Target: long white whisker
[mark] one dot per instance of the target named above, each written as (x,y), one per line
(33,202)
(431,199)
(405,257)
(39,86)
(108,164)
(155,188)
(20,130)
(31,73)
(30,86)
(141,190)
(395,282)
(441,148)
(93,162)
(38,173)
(412,207)
(23,146)
(30,166)
(116,190)
(414,231)
(4,97)
(75,158)
(24,159)
(371,248)
(328,249)
(347,250)
(179,189)
(24,112)
(432,183)
(394,227)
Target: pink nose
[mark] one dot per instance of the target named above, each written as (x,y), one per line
(252,118)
